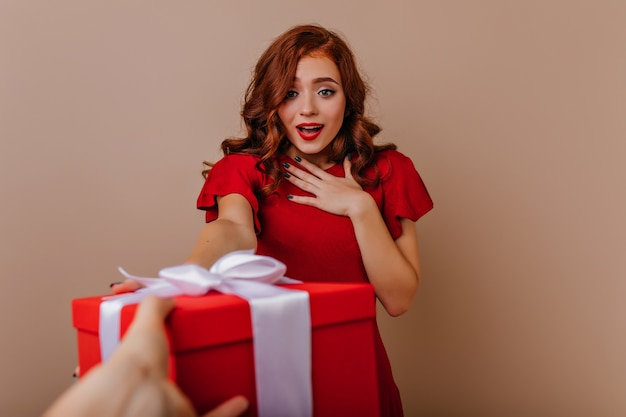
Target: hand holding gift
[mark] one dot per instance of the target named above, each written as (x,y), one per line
(249,337)
(127,285)
(134,381)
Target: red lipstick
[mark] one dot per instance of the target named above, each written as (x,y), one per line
(309,131)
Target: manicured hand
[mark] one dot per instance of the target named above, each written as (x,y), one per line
(125,286)
(338,195)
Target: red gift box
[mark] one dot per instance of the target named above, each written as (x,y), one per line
(211,350)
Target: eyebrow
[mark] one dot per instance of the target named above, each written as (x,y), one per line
(320,80)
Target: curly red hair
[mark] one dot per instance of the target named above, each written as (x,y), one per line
(272,79)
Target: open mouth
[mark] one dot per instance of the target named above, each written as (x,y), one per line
(309,131)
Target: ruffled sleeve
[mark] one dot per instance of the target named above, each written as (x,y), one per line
(233,174)
(404,192)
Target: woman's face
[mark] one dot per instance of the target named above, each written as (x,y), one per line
(313,111)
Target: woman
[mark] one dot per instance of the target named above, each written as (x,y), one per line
(308,186)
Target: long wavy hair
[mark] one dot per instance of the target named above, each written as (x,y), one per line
(271,81)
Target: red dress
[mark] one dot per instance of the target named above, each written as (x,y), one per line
(316,245)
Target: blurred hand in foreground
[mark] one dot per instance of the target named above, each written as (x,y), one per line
(134,381)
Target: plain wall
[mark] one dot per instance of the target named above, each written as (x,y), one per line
(513,112)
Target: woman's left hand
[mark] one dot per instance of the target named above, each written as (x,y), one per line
(337,195)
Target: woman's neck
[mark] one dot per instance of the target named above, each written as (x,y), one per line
(321,159)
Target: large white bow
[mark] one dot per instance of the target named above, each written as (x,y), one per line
(281,322)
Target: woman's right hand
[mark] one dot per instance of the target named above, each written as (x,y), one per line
(125,286)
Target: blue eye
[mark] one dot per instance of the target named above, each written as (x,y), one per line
(327,92)
(291,94)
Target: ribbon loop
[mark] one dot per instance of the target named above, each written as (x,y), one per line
(248,266)
(191,279)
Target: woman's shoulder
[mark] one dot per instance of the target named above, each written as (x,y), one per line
(406,193)
(391,161)
(238,158)
(236,165)
(391,154)
(236,161)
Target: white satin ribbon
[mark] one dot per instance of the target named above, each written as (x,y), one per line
(281,322)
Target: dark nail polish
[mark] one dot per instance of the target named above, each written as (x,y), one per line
(349,157)
(285,164)
(286,174)
(289,196)
(114,283)
(298,159)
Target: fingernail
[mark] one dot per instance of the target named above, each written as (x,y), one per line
(285,164)
(289,196)
(114,283)
(298,159)
(286,174)
(349,157)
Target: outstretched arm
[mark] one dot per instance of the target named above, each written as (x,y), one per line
(232,230)
(392,266)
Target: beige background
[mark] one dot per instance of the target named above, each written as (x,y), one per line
(513,112)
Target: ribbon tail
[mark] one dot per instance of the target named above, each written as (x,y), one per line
(110,315)
(282,354)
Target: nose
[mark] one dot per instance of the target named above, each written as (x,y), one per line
(308,106)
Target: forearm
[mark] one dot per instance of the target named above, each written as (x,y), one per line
(395,279)
(232,230)
(218,238)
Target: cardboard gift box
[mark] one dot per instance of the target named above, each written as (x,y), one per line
(211,349)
